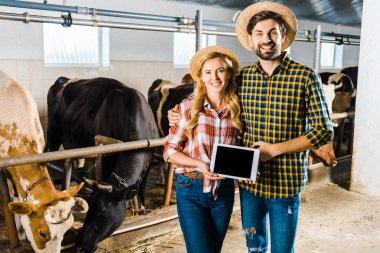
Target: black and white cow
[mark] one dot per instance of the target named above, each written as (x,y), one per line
(164,95)
(352,72)
(80,109)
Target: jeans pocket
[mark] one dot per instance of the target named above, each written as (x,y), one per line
(183,181)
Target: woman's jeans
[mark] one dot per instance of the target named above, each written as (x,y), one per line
(204,221)
(283,218)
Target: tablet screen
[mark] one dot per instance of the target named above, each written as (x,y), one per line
(234,161)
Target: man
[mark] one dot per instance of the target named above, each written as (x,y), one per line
(285,114)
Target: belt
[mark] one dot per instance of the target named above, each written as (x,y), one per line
(194,174)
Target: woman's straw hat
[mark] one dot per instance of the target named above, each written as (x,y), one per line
(198,59)
(285,13)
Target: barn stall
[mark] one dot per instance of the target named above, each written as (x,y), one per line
(135,58)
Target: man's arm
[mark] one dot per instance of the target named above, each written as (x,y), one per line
(269,150)
(174,116)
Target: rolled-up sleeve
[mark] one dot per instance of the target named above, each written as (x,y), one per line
(175,140)
(319,130)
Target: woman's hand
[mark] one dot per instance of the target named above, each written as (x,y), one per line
(205,169)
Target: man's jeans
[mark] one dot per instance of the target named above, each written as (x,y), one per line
(283,218)
(204,221)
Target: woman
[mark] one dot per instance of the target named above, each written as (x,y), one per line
(211,115)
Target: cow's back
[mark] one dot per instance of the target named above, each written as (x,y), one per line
(20,128)
(85,108)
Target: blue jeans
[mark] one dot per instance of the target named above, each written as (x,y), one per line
(283,218)
(204,221)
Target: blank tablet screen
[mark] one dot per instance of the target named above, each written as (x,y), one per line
(234,162)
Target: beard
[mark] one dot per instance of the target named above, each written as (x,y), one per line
(267,55)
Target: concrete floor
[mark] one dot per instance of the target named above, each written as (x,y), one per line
(332,220)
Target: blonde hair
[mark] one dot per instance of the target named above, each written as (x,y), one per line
(230,97)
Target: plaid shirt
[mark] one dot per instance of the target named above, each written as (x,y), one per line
(284,106)
(212,128)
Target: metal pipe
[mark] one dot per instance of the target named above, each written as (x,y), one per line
(26,18)
(66,178)
(80,152)
(198,33)
(342,115)
(103,12)
(340,35)
(86,10)
(317,48)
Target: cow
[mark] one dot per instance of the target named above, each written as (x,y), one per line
(352,72)
(45,213)
(164,95)
(80,109)
(344,91)
(340,92)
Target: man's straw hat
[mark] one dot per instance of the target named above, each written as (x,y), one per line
(198,59)
(285,13)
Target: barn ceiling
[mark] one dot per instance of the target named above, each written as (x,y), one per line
(344,12)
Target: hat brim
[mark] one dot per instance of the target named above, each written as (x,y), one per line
(196,61)
(285,13)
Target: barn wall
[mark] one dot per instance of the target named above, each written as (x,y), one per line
(365,172)
(137,57)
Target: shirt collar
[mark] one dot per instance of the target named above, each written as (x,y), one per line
(284,64)
(207,105)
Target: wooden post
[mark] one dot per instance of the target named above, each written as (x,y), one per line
(8,215)
(168,185)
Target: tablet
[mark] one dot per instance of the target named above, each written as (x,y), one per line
(234,161)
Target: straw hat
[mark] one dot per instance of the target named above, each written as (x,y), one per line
(285,13)
(198,59)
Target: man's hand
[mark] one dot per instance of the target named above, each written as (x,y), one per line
(267,150)
(174,116)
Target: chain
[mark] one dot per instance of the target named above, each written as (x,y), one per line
(33,186)
(120,180)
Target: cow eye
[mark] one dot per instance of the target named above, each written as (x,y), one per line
(44,235)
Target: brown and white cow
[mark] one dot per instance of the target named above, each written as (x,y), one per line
(45,213)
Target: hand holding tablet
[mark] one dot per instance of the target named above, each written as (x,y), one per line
(235,162)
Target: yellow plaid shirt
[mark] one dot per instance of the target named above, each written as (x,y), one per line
(284,106)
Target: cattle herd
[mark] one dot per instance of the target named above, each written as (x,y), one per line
(77,111)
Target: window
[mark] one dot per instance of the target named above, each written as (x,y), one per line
(184,47)
(76,46)
(331,55)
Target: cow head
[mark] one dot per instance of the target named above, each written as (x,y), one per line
(108,205)
(46,223)
(344,92)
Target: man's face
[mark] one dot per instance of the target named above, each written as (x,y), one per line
(266,39)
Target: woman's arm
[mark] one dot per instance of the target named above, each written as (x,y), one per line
(182,159)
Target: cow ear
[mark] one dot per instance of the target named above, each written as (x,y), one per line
(21,208)
(74,190)
(127,193)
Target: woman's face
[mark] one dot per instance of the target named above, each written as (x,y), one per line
(215,75)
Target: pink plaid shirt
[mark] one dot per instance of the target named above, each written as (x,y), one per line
(212,128)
